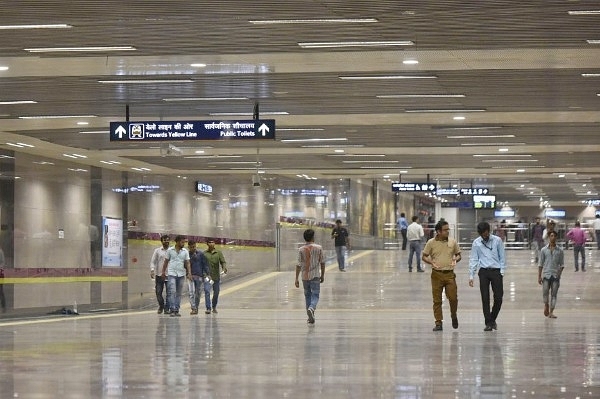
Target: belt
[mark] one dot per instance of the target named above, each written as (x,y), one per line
(491,268)
(442,271)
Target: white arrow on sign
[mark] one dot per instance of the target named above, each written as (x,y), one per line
(120,131)
(263,129)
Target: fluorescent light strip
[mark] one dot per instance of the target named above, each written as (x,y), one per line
(57,116)
(421,96)
(369,161)
(145,81)
(334,146)
(356,155)
(490,144)
(593,41)
(502,155)
(509,160)
(41,26)
(20,145)
(300,129)
(492,136)
(232,163)
(591,75)
(468,127)
(443,110)
(212,156)
(356,44)
(95,132)
(79,49)
(584,12)
(312,140)
(3,68)
(205,99)
(388,77)
(247,113)
(314,21)
(18,102)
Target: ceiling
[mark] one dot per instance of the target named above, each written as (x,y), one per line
(518,72)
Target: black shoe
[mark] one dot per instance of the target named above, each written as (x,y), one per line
(342,270)
(494,326)
(455,322)
(215,310)
(488,328)
(410,270)
(420,270)
(576,270)
(160,310)
(438,327)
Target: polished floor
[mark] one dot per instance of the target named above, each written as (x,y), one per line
(372,338)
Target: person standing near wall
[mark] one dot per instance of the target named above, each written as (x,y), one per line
(402,224)
(216,262)
(487,255)
(176,267)
(199,270)
(415,234)
(341,242)
(537,238)
(311,265)
(156,262)
(596,227)
(442,253)
(577,235)
(550,269)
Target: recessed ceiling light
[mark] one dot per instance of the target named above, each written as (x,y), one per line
(79,49)
(459,118)
(198,65)
(421,96)
(247,113)
(521,171)
(95,132)
(57,116)
(593,41)
(82,123)
(3,68)
(16,102)
(561,175)
(502,149)
(591,75)
(444,110)
(145,81)
(410,62)
(313,139)
(314,21)
(584,12)
(502,155)
(204,99)
(39,26)
(388,77)
(356,44)
(491,136)
(338,151)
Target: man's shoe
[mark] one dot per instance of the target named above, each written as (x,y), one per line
(488,328)
(494,325)
(194,311)
(410,269)
(455,322)
(173,314)
(420,270)
(311,315)
(160,310)
(438,327)
(215,310)
(207,311)
(342,270)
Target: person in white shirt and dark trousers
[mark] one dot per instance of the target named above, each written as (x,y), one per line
(415,234)
(487,255)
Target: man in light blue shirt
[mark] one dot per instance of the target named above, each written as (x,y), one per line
(487,254)
(176,267)
(403,227)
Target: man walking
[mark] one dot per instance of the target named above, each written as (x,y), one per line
(550,269)
(537,239)
(487,254)
(442,253)
(311,264)
(199,270)
(415,234)
(156,263)
(216,262)
(342,242)
(176,267)
(577,235)
(403,228)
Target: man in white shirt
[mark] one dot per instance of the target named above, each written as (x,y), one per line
(156,263)
(414,234)
(177,268)
(596,226)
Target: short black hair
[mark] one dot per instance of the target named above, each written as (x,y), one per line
(309,235)
(179,238)
(483,227)
(554,233)
(164,236)
(415,218)
(338,221)
(439,225)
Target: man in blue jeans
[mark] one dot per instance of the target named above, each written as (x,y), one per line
(311,264)
(199,269)
(342,242)
(176,268)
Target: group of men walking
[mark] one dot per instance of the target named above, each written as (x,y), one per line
(171,266)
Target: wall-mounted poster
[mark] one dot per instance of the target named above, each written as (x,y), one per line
(112,242)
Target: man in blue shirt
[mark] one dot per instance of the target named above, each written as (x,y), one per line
(403,227)
(200,270)
(487,254)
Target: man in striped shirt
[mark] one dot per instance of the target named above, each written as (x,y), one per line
(311,264)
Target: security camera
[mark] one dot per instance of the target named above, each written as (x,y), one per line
(170,150)
(255,180)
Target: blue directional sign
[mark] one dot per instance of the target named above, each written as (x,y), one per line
(414,187)
(193,130)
